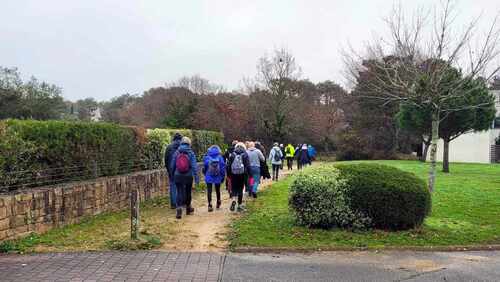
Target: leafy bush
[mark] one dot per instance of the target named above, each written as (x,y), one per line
(359,196)
(392,198)
(201,140)
(34,153)
(318,198)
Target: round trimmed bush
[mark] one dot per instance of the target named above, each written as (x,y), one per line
(391,198)
(318,199)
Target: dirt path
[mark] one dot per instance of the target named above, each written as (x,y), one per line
(206,231)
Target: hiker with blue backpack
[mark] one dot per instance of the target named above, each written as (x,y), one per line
(214,169)
(238,169)
(276,159)
(185,169)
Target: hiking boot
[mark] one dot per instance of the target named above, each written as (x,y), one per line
(254,194)
(218,205)
(233,205)
(178,215)
(189,210)
(240,208)
(210,208)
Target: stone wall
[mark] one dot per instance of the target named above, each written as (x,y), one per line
(38,210)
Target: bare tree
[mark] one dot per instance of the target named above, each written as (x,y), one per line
(198,85)
(275,75)
(412,66)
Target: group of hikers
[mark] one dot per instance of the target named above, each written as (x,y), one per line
(241,167)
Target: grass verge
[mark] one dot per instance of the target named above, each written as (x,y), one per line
(109,231)
(466,211)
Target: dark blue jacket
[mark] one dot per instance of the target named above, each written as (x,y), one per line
(193,171)
(214,153)
(169,153)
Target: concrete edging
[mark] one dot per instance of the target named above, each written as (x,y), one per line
(457,248)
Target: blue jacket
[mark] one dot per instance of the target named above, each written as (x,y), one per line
(193,171)
(214,153)
(311,151)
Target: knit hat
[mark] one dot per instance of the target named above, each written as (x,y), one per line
(186,140)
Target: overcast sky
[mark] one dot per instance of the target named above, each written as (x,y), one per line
(104,48)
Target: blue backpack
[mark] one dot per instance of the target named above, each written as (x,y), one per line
(213,167)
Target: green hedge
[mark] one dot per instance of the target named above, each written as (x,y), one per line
(34,153)
(37,153)
(201,140)
(359,196)
(392,198)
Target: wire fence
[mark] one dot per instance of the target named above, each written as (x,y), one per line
(22,179)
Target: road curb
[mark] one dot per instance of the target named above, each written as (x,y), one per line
(458,248)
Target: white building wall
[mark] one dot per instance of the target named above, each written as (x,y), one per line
(468,148)
(472,147)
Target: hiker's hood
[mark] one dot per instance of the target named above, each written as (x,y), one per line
(214,151)
(185,148)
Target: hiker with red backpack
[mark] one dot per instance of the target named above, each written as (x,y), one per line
(238,169)
(214,169)
(185,169)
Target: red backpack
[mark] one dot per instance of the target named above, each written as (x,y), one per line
(182,163)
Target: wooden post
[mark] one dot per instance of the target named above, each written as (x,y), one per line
(134,214)
(95,169)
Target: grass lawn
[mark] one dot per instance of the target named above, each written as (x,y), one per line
(105,231)
(466,211)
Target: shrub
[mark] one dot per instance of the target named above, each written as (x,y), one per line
(201,140)
(392,198)
(359,196)
(318,199)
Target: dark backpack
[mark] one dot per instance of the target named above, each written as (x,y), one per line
(277,155)
(237,167)
(213,167)
(182,163)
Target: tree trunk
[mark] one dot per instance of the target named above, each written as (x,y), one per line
(434,141)
(423,158)
(446,155)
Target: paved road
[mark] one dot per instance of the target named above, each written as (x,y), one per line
(336,266)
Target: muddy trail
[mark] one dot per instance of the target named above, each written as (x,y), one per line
(207,231)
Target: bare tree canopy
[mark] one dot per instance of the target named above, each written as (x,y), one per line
(197,84)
